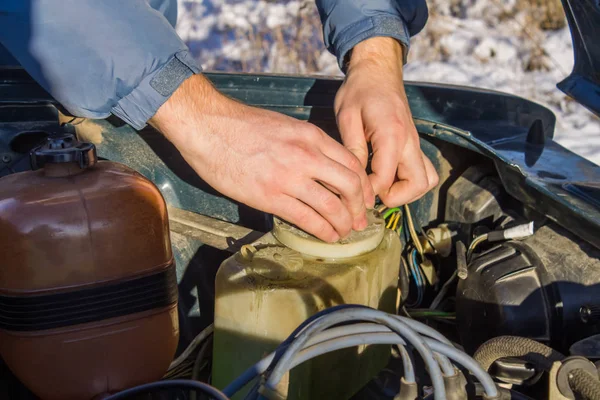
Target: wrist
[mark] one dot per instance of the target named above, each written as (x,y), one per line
(186,108)
(379,50)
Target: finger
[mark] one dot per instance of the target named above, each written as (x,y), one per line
(385,161)
(349,185)
(353,134)
(432,177)
(358,223)
(412,182)
(338,153)
(297,213)
(327,204)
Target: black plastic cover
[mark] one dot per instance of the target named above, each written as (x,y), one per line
(535,288)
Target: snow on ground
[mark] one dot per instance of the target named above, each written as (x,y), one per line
(491,44)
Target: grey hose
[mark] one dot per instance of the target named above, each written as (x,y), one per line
(441,348)
(407,365)
(585,384)
(463,359)
(424,329)
(261,366)
(529,350)
(360,314)
(363,328)
(392,338)
(445,364)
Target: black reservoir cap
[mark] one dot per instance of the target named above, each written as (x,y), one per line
(64,148)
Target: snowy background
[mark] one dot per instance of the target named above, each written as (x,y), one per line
(516,46)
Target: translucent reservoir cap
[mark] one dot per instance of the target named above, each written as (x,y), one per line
(354,245)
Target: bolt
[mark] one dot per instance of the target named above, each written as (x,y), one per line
(6,158)
(589,314)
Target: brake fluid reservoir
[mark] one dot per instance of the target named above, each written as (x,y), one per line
(88,292)
(265,291)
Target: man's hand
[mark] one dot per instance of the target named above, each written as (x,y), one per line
(371,106)
(267,160)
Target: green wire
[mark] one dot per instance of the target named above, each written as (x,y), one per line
(390,212)
(431,313)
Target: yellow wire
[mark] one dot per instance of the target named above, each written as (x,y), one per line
(390,221)
(413,232)
(395,225)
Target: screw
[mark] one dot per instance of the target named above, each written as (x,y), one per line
(6,158)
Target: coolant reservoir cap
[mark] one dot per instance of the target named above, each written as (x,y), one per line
(354,245)
(64,148)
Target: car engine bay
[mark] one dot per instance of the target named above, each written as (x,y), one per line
(122,269)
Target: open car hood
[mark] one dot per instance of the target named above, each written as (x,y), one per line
(584,82)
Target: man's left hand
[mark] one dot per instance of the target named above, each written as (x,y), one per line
(371,106)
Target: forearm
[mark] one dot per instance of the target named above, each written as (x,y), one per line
(189,108)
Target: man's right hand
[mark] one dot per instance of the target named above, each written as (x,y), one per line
(267,160)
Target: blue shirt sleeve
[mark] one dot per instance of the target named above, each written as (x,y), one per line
(98,57)
(348,22)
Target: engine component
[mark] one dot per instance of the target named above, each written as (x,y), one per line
(579,375)
(475,196)
(264,292)
(535,288)
(88,292)
(438,240)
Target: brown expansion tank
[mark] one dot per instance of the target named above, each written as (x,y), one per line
(88,293)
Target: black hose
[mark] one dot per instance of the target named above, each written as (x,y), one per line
(536,353)
(181,384)
(585,384)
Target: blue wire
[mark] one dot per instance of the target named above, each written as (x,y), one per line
(419,269)
(421,275)
(415,272)
(415,262)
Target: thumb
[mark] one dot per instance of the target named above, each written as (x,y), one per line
(353,134)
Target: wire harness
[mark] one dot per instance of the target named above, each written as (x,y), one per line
(353,325)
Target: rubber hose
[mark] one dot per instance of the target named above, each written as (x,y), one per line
(529,350)
(585,384)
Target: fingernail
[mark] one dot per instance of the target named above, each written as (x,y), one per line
(335,238)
